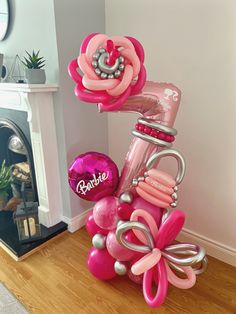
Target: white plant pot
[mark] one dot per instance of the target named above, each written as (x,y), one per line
(35,76)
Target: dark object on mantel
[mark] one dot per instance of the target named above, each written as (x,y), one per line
(9,235)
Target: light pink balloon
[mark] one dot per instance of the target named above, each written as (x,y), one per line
(101,264)
(92,228)
(116,250)
(105,212)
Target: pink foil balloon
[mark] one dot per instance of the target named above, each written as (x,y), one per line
(157,102)
(101,264)
(116,250)
(92,228)
(93,175)
(105,212)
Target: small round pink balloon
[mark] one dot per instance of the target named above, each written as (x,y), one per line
(92,228)
(138,279)
(93,175)
(116,250)
(105,213)
(101,264)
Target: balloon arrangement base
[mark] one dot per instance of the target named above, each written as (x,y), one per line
(134,222)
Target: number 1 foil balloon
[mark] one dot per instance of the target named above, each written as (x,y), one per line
(114,77)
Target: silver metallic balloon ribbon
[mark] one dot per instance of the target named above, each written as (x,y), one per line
(180,173)
(157,126)
(176,255)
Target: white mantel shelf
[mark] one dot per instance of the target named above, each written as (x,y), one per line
(28,88)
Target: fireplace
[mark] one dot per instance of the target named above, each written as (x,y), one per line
(28,143)
(16,151)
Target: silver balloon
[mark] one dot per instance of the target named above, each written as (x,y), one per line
(126,197)
(120,268)
(195,254)
(120,222)
(172,153)
(122,228)
(99,241)
(151,139)
(165,215)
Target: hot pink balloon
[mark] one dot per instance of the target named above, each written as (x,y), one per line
(136,279)
(101,264)
(105,212)
(116,250)
(92,228)
(93,175)
(156,212)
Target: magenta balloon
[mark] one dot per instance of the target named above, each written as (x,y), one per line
(101,264)
(93,175)
(138,279)
(105,212)
(156,212)
(170,228)
(116,250)
(92,228)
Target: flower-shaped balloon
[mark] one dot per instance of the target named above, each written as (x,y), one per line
(161,255)
(112,70)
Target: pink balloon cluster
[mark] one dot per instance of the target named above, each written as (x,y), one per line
(132,230)
(112,70)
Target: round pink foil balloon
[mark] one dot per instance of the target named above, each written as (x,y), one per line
(93,175)
(101,264)
(116,250)
(105,212)
(92,228)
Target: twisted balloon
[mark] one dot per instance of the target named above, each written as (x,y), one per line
(112,70)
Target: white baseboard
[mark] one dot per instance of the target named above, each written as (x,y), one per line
(76,222)
(213,248)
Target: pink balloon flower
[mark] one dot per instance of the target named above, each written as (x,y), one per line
(112,70)
(160,253)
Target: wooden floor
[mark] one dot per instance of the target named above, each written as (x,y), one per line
(56,280)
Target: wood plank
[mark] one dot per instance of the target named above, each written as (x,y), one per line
(56,280)
(36,249)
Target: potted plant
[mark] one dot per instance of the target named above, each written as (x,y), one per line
(34,73)
(5,183)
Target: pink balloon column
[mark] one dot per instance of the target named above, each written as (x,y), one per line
(131,225)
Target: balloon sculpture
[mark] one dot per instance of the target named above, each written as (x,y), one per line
(132,225)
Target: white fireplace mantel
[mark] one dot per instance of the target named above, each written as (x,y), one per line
(37,101)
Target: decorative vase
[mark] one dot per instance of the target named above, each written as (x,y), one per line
(35,76)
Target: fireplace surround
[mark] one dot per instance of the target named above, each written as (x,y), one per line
(37,102)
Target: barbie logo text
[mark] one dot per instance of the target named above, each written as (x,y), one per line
(83,187)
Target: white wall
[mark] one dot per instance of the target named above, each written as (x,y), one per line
(32,27)
(191,44)
(80,127)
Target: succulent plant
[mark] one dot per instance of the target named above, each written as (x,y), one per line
(5,178)
(33,61)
